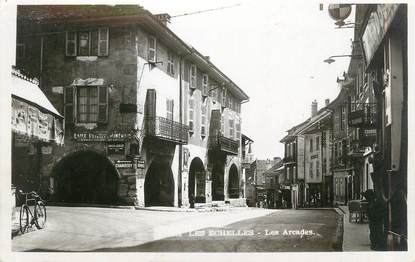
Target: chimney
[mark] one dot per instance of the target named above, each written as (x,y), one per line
(314,108)
(163,18)
(327,102)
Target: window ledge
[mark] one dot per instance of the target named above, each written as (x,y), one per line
(87,58)
(88,126)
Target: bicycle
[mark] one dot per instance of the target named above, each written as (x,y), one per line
(38,217)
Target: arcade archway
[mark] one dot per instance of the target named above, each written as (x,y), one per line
(233,184)
(197,183)
(86,177)
(159,184)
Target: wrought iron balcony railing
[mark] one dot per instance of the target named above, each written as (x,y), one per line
(166,129)
(363,116)
(219,142)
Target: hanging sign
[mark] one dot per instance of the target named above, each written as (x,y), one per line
(339,12)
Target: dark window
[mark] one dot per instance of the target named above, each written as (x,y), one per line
(87,43)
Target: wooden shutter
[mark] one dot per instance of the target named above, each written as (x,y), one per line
(103,42)
(70,44)
(102,104)
(69,96)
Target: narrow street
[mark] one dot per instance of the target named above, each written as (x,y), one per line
(236,230)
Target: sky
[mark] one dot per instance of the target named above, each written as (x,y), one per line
(273,50)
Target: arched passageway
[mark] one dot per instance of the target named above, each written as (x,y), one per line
(218,182)
(197,183)
(159,184)
(233,184)
(86,177)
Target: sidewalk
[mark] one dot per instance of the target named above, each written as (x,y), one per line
(355,236)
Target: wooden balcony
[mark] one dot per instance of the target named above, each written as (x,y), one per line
(166,129)
(221,143)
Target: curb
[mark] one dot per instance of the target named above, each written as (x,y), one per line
(61,204)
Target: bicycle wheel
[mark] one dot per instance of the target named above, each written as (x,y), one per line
(40,215)
(24,218)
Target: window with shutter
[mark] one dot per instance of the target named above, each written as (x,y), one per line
(203,120)
(191,113)
(69,104)
(170,63)
(238,131)
(150,104)
(103,104)
(88,43)
(193,78)
(103,42)
(224,97)
(152,49)
(231,128)
(70,43)
(92,104)
(170,106)
(205,84)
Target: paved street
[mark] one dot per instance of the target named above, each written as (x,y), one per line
(236,230)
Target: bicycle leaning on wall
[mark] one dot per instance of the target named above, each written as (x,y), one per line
(27,218)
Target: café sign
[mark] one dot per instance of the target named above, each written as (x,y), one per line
(102,136)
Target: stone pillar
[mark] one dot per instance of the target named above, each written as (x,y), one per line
(140,187)
(185,187)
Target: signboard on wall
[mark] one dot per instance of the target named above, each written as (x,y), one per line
(124,164)
(115,148)
(102,136)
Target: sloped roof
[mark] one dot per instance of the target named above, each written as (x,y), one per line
(274,168)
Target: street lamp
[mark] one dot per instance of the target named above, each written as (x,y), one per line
(331,60)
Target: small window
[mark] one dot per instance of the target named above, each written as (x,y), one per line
(170,63)
(152,49)
(231,128)
(205,84)
(191,113)
(203,120)
(193,76)
(170,107)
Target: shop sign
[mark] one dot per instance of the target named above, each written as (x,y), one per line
(376,28)
(124,164)
(46,150)
(115,148)
(101,136)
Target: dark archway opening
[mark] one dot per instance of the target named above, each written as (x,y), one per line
(86,177)
(197,181)
(218,182)
(233,185)
(159,184)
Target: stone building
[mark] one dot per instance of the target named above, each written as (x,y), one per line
(149,120)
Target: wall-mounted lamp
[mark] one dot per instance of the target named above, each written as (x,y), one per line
(331,60)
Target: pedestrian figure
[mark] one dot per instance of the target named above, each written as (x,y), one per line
(376,214)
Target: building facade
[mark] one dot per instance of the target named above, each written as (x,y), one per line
(149,120)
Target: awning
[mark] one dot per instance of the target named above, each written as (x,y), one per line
(33,115)
(30,92)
